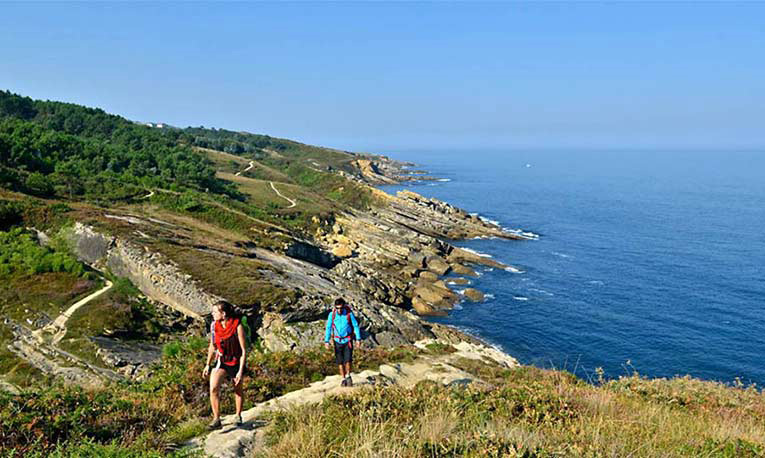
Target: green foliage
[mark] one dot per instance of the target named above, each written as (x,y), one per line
(730,448)
(11,214)
(20,253)
(32,212)
(66,150)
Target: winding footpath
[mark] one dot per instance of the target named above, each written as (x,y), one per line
(40,348)
(59,324)
(251,165)
(292,202)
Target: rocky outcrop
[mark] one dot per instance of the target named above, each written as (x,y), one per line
(307,252)
(473,294)
(150,272)
(298,324)
(130,358)
(440,219)
(370,172)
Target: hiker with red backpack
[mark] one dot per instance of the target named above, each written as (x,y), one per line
(228,346)
(343,328)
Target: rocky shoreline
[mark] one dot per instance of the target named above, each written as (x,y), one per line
(394,263)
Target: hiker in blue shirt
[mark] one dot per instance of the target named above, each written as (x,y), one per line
(342,327)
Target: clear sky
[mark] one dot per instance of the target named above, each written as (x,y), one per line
(376,76)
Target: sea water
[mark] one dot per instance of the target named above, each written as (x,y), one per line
(647,261)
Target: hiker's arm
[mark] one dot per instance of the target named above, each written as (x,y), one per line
(243,346)
(356,327)
(327,330)
(210,351)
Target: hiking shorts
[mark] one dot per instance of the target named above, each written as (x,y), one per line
(343,353)
(231,371)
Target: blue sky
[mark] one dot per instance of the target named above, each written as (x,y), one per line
(376,76)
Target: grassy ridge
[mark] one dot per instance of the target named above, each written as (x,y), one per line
(529,412)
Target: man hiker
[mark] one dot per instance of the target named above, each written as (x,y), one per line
(341,327)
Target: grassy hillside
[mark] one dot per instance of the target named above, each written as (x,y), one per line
(529,412)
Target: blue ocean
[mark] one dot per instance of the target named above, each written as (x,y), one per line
(647,261)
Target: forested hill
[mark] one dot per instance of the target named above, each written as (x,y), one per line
(64,150)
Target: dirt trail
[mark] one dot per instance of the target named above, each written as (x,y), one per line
(246,440)
(250,166)
(40,348)
(58,326)
(292,202)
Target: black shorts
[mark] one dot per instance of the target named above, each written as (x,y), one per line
(231,371)
(343,353)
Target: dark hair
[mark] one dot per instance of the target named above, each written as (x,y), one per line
(339,301)
(227,308)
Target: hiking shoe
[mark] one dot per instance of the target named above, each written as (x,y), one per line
(349,381)
(215,424)
(238,420)
(344,382)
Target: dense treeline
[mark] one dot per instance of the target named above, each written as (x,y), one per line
(230,141)
(66,150)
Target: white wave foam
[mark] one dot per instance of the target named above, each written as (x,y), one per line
(520,298)
(541,291)
(561,255)
(488,296)
(521,233)
(514,270)
(483,255)
(487,220)
(444,179)
(596,282)
(457,307)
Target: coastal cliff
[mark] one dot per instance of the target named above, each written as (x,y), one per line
(116,237)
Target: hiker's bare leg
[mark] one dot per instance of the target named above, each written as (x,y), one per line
(215,379)
(348,368)
(238,396)
(342,370)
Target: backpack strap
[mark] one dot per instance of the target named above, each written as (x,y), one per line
(350,323)
(349,337)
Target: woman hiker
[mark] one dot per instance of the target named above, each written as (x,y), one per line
(227,344)
(341,326)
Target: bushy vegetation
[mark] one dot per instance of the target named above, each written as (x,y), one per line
(65,150)
(21,253)
(529,412)
(159,413)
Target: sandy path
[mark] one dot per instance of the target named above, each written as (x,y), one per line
(292,202)
(250,166)
(59,324)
